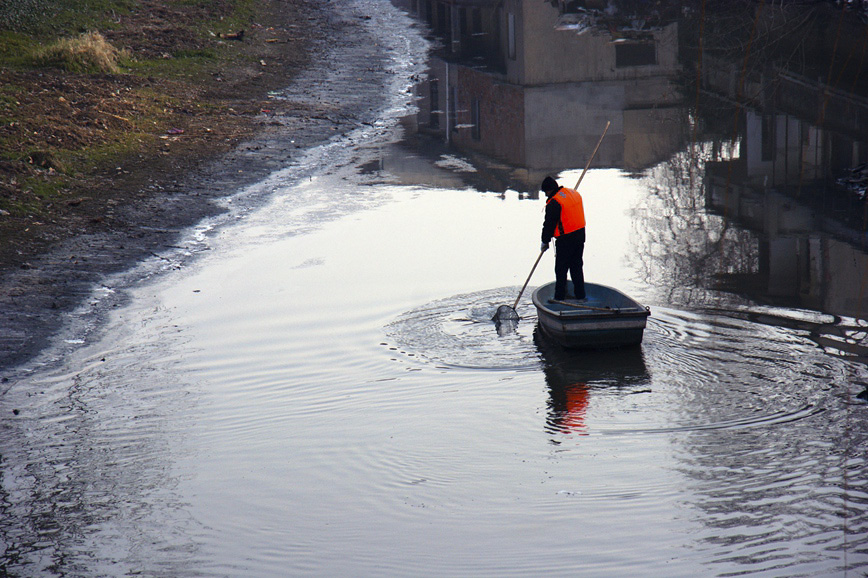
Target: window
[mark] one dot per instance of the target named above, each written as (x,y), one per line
(441,27)
(477,21)
(476,130)
(635,54)
(510,35)
(453,110)
(434,105)
(434,111)
(768,137)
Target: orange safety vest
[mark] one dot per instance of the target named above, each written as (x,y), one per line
(572,211)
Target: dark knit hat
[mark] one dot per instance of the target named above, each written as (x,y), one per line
(549,185)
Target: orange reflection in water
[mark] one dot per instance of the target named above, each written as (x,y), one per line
(570,407)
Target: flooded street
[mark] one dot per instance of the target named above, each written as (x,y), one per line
(313,386)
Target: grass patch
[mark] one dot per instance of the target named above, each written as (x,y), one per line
(19,207)
(8,102)
(44,159)
(192,64)
(37,192)
(190,68)
(243,13)
(88,53)
(108,154)
(47,19)
(45,189)
(15,48)
(75,104)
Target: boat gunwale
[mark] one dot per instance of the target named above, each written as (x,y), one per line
(635,309)
(592,328)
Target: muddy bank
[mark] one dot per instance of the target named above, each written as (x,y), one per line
(144,209)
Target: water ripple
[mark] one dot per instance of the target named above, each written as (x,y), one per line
(459,332)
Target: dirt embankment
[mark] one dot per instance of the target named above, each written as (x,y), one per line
(99,171)
(75,146)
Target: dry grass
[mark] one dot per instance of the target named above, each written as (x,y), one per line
(88,53)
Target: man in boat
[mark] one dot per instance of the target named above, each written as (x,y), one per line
(565,221)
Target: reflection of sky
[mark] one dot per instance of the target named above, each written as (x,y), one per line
(609,197)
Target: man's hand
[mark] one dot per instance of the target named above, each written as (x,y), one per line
(544,247)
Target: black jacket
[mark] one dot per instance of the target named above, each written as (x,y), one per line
(553,216)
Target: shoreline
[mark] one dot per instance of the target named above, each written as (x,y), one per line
(339,89)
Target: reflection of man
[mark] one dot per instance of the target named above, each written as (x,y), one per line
(569,406)
(565,221)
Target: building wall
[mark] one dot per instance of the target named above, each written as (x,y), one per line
(651,135)
(780,150)
(548,116)
(545,55)
(563,123)
(501,107)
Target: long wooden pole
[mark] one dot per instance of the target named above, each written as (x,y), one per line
(587,166)
(517,299)
(593,154)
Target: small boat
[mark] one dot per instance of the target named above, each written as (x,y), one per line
(606,318)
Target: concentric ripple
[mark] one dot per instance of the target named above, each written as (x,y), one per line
(732,372)
(459,332)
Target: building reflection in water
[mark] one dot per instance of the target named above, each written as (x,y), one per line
(794,175)
(749,125)
(516,83)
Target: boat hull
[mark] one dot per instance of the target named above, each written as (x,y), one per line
(607,319)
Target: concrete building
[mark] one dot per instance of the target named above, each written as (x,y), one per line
(531,85)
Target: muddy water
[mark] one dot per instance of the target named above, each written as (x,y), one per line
(320,391)
(337,402)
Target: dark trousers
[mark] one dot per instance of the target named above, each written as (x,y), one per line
(568,257)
